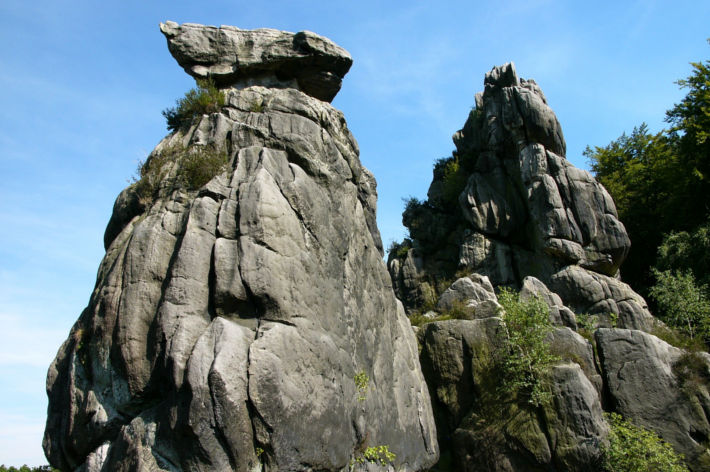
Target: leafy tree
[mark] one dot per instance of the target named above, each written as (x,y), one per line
(685,250)
(660,181)
(682,303)
(529,356)
(690,120)
(638,171)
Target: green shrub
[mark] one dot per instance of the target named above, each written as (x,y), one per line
(529,356)
(586,325)
(197,166)
(455,178)
(206,98)
(376,455)
(635,449)
(151,172)
(200,165)
(677,338)
(687,250)
(362,382)
(399,250)
(682,303)
(458,311)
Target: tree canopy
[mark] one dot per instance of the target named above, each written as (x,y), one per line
(660,181)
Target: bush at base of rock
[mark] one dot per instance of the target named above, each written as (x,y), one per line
(634,449)
(530,358)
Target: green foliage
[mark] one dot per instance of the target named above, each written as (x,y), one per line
(691,118)
(682,303)
(376,455)
(634,449)
(692,373)
(677,338)
(204,99)
(613,319)
(457,312)
(362,382)
(200,164)
(197,166)
(454,178)
(259,451)
(639,172)
(661,182)
(151,172)
(529,356)
(687,250)
(379,454)
(399,250)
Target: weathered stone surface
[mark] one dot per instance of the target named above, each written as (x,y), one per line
(464,290)
(559,314)
(229,321)
(483,428)
(526,218)
(588,292)
(523,211)
(236,57)
(576,429)
(643,385)
(571,346)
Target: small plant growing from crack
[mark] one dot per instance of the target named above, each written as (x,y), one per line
(361,382)
(375,455)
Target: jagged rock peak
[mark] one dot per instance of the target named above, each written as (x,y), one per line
(243,318)
(232,57)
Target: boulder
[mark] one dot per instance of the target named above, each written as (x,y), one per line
(645,384)
(236,57)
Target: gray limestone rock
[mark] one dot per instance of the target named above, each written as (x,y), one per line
(588,292)
(576,428)
(464,290)
(559,314)
(483,428)
(645,385)
(230,322)
(236,57)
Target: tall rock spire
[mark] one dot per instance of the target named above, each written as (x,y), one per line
(244,320)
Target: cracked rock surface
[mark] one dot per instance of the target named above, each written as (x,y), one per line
(522,210)
(237,57)
(229,322)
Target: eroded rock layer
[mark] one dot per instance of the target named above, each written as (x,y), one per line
(508,210)
(236,57)
(248,323)
(509,205)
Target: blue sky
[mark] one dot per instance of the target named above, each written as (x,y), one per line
(82,85)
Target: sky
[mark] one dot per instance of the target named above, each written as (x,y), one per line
(83,84)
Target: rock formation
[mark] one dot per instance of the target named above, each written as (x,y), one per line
(230,56)
(507,209)
(249,322)
(243,318)
(515,207)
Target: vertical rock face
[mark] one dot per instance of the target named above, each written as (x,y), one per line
(509,205)
(248,323)
(507,209)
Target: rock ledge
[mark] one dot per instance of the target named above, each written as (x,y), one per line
(233,57)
